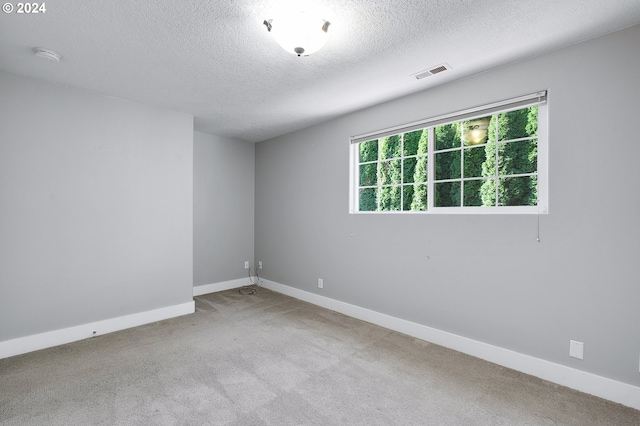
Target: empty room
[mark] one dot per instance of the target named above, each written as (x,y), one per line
(320,212)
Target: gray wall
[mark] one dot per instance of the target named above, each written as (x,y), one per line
(483,276)
(96,205)
(223,208)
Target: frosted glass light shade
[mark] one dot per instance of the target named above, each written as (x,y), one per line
(301,33)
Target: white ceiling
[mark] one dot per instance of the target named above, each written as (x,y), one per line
(214,58)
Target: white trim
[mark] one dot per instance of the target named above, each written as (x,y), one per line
(22,345)
(354,199)
(221,286)
(543,159)
(622,393)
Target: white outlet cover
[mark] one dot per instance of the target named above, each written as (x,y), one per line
(576,349)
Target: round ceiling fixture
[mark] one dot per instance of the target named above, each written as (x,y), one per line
(299,30)
(48,54)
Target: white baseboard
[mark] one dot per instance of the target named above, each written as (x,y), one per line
(48,339)
(221,286)
(622,393)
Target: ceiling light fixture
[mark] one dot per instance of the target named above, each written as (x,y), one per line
(300,32)
(49,54)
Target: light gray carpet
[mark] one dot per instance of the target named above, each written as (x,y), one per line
(268,359)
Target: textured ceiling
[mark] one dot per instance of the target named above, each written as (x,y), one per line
(215,59)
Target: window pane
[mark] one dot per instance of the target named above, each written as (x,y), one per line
(410,142)
(492,135)
(473,159)
(488,192)
(415,170)
(518,191)
(448,165)
(416,142)
(532,121)
(407,196)
(518,157)
(390,198)
(369,151)
(472,192)
(409,169)
(448,136)
(369,174)
(419,201)
(521,123)
(476,131)
(420,174)
(447,194)
(368,201)
(489,164)
(390,172)
(390,147)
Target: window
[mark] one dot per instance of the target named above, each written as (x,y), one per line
(490,159)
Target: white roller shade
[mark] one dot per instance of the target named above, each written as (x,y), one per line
(537,98)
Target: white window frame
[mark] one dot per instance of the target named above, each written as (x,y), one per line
(539,98)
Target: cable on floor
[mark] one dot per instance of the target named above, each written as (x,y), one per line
(256,283)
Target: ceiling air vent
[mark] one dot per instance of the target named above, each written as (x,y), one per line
(431,71)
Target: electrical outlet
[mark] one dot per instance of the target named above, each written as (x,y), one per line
(259,264)
(320,283)
(576,349)
(246,264)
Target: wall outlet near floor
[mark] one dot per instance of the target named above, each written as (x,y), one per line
(576,349)
(259,264)
(246,264)
(320,283)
